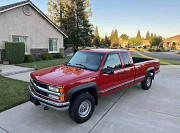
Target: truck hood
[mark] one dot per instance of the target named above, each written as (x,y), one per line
(61,75)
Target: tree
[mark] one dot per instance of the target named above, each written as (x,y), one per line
(135,42)
(147,35)
(116,39)
(157,41)
(107,41)
(112,38)
(76,22)
(56,10)
(96,41)
(138,34)
(124,37)
(152,35)
(96,33)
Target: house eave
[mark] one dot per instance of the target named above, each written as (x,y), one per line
(40,12)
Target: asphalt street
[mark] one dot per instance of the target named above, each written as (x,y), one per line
(161,55)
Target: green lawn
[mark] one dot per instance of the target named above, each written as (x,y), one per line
(162,61)
(43,64)
(12,93)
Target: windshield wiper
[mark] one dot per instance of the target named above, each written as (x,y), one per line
(67,63)
(82,65)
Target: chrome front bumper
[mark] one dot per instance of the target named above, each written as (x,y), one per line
(51,104)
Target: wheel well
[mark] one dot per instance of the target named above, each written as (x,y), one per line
(91,91)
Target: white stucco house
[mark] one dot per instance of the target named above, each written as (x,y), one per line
(24,22)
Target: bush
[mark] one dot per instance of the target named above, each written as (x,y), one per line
(163,50)
(58,55)
(158,50)
(150,49)
(29,58)
(15,52)
(39,59)
(46,56)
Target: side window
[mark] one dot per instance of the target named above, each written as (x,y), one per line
(113,62)
(126,60)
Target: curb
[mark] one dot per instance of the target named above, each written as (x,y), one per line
(17,72)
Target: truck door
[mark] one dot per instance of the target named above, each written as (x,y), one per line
(128,67)
(111,82)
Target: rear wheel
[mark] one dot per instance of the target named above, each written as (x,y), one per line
(146,84)
(82,107)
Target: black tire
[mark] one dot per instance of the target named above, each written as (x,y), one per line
(146,84)
(82,107)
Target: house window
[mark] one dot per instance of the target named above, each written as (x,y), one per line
(52,45)
(21,39)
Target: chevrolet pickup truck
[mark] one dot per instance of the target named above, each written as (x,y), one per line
(87,76)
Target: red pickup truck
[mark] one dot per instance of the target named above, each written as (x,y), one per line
(88,75)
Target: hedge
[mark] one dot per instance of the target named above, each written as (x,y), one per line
(14,52)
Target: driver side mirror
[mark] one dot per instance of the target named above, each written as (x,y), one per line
(107,71)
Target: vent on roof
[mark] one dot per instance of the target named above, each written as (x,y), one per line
(27,10)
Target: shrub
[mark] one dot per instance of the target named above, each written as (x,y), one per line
(46,56)
(163,50)
(39,59)
(158,50)
(150,49)
(58,55)
(29,58)
(14,52)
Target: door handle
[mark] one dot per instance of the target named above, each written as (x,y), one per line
(122,73)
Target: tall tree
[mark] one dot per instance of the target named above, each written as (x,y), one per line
(96,33)
(124,37)
(56,10)
(147,35)
(76,22)
(116,39)
(152,35)
(107,41)
(112,38)
(138,34)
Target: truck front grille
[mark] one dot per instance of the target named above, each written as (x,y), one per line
(35,84)
(40,84)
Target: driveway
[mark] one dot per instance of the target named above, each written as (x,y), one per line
(131,110)
(161,55)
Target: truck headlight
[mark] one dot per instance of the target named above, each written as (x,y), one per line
(56,89)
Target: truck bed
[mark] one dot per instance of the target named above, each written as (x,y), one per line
(138,59)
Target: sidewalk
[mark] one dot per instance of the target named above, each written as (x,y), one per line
(16,72)
(7,70)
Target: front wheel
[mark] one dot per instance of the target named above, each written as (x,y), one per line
(146,84)
(82,107)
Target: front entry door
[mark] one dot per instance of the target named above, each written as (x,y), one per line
(110,82)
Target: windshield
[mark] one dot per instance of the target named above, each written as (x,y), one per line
(87,60)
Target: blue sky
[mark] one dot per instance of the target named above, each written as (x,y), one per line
(128,16)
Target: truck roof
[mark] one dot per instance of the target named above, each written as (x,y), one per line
(104,50)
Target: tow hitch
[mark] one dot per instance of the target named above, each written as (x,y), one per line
(46,108)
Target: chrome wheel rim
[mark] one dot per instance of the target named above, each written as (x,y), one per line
(84,108)
(148,81)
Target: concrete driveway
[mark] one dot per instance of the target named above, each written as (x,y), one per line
(131,110)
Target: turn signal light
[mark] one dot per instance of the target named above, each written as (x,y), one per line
(61,90)
(61,98)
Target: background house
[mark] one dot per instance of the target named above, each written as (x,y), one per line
(172,43)
(146,43)
(123,43)
(24,22)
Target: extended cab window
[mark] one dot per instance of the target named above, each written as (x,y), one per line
(126,60)
(113,62)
